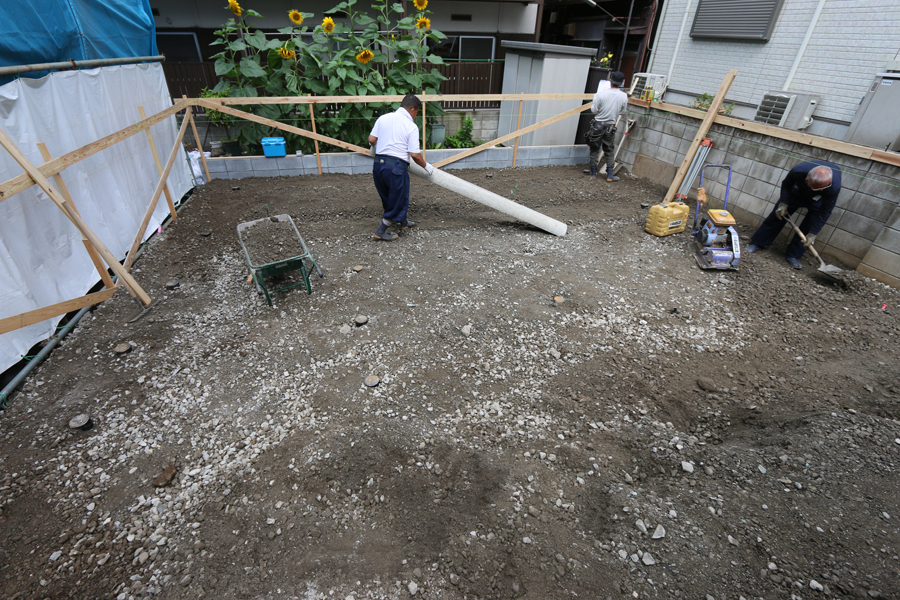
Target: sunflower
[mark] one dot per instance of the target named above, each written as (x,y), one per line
(287,53)
(296,17)
(420,4)
(423,23)
(235,7)
(328,25)
(365,56)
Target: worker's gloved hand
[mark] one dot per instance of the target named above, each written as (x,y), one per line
(372,151)
(810,240)
(781,211)
(429,168)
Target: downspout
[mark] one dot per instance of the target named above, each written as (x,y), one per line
(625,37)
(687,10)
(662,21)
(802,50)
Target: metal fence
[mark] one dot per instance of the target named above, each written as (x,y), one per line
(464,77)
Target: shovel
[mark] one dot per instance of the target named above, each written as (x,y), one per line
(628,125)
(830,271)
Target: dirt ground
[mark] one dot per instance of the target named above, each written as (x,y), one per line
(657,431)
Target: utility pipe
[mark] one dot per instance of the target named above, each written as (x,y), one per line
(802,50)
(80,64)
(687,10)
(66,329)
(473,192)
(625,37)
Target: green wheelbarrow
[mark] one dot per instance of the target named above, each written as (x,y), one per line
(266,264)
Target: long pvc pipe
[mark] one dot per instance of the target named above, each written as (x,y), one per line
(802,50)
(687,10)
(68,327)
(473,192)
(79,64)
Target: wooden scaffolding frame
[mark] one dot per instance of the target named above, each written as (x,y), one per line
(99,254)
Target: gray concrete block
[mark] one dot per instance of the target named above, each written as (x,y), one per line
(241,174)
(859,225)
(773,158)
(339,160)
(667,156)
(291,172)
(889,239)
(879,186)
(849,163)
(849,243)
(560,152)
(360,170)
(884,260)
(652,136)
(845,197)
(751,204)
(669,142)
(263,165)
(683,147)
(540,152)
(309,164)
(825,234)
(673,128)
(884,170)
(870,206)
(216,165)
(851,180)
(894,221)
(739,164)
(758,189)
(765,172)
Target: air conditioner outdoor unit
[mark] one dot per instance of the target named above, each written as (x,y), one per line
(641,81)
(790,111)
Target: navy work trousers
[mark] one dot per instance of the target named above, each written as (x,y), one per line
(772,226)
(392,183)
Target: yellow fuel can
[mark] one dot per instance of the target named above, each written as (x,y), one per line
(666,219)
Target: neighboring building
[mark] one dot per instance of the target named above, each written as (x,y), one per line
(829,49)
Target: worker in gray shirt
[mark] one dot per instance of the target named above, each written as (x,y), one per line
(608,104)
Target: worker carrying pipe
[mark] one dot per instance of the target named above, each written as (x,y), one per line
(394,141)
(608,104)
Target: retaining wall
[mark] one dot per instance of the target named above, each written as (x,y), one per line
(864,229)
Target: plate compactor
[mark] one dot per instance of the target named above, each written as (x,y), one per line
(716,244)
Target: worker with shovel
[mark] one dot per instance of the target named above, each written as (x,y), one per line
(812,185)
(608,104)
(394,141)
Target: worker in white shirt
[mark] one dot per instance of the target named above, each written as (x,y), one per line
(608,104)
(394,141)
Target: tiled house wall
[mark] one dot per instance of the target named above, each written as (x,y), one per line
(864,229)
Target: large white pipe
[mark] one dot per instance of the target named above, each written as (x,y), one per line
(473,192)
(687,10)
(802,50)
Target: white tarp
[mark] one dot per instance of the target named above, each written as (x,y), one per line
(42,258)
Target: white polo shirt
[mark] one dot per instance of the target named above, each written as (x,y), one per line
(397,134)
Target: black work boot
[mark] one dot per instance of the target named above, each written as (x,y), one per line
(593,172)
(610,176)
(383,234)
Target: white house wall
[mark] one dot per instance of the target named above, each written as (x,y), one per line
(852,41)
(487,17)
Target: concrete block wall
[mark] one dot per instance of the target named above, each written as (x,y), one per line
(485,122)
(863,229)
(352,163)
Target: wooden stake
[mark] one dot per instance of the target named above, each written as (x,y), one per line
(158,165)
(711,115)
(159,188)
(312,117)
(514,134)
(92,252)
(518,126)
(130,284)
(24,181)
(199,145)
(48,312)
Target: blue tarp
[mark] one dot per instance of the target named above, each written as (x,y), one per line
(41,31)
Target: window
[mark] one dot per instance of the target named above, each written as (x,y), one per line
(466,47)
(178,46)
(751,20)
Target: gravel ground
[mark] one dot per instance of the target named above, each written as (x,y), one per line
(584,416)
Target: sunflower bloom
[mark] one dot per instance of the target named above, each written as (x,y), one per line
(365,56)
(296,17)
(328,25)
(423,23)
(421,4)
(235,7)
(287,53)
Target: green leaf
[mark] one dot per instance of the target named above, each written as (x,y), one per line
(435,60)
(373,89)
(407,23)
(250,68)
(397,7)
(237,45)
(363,20)
(351,89)
(352,74)
(316,86)
(253,13)
(292,82)
(273,44)
(342,72)
(436,35)
(286,30)
(335,84)
(223,67)
(222,86)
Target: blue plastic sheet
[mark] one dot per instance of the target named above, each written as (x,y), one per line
(41,31)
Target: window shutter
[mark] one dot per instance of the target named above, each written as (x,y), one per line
(751,20)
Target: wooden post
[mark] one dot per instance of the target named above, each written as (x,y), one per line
(199,144)
(64,191)
(312,117)
(158,165)
(130,284)
(48,312)
(159,188)
(518,126)
(711,115)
